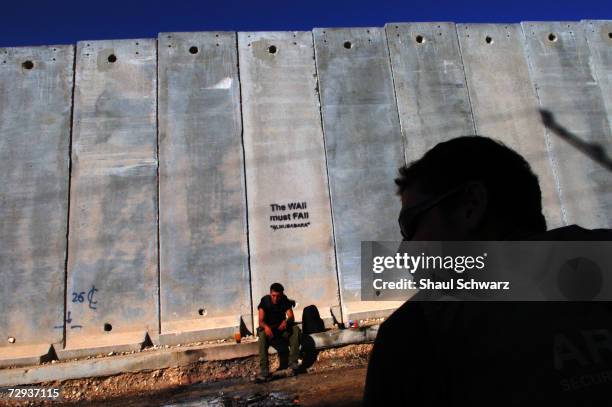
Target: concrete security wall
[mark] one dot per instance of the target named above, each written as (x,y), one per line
(112,238)
(290,231)
(154,189)
(204,274)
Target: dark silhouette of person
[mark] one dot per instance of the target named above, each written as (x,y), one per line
(467,353)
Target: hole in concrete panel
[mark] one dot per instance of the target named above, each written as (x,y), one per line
(217,44)
(348,45)
(552,37)
(28,65)
(272,49)
(136,43)
(193,50)
(202,311)
(112,58)
(217,35)
(610,35)
(420,39)
(107,327)
(488,40)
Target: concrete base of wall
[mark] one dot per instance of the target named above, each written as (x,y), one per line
(103,344)
(370,309)
(163,358)
(197,331)
(25,355)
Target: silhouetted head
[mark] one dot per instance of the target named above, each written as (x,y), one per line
(470,188)
(276,292)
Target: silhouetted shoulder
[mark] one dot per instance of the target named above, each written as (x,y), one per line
(574,233)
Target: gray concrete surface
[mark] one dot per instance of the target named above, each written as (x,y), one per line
(321,126)
(559,61)
(504,102)
(35,109)
(432,97)
(290,230)
(112,253)
(364,148)
(154,359)
(599,37)
(143,361)
(204,275)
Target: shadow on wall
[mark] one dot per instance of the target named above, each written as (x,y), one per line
(593,150)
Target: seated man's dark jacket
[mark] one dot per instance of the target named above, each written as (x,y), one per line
(495,353)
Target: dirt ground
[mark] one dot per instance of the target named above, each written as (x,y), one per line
(337,379)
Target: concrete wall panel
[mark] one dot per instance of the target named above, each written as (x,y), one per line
(364,149)
(204,272)
(432,97)
(599,38)
(35,109)
(504,102)
(566,85)
(290,231)
(112,257)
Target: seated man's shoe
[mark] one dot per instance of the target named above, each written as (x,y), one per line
(263,377)
(295,368)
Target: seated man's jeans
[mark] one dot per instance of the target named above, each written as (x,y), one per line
(291,335)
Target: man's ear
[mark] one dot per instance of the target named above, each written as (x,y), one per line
(475,204)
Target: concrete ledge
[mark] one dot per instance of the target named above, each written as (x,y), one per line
(24,355)
(103,344)
(160,359)
(371,333)
(339,337)
(199,335)
(370,309)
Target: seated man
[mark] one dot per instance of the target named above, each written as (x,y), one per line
(276,324)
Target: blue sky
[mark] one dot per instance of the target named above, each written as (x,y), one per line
(37,22)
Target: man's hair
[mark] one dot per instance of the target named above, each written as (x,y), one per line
(512,187)
(277,287)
